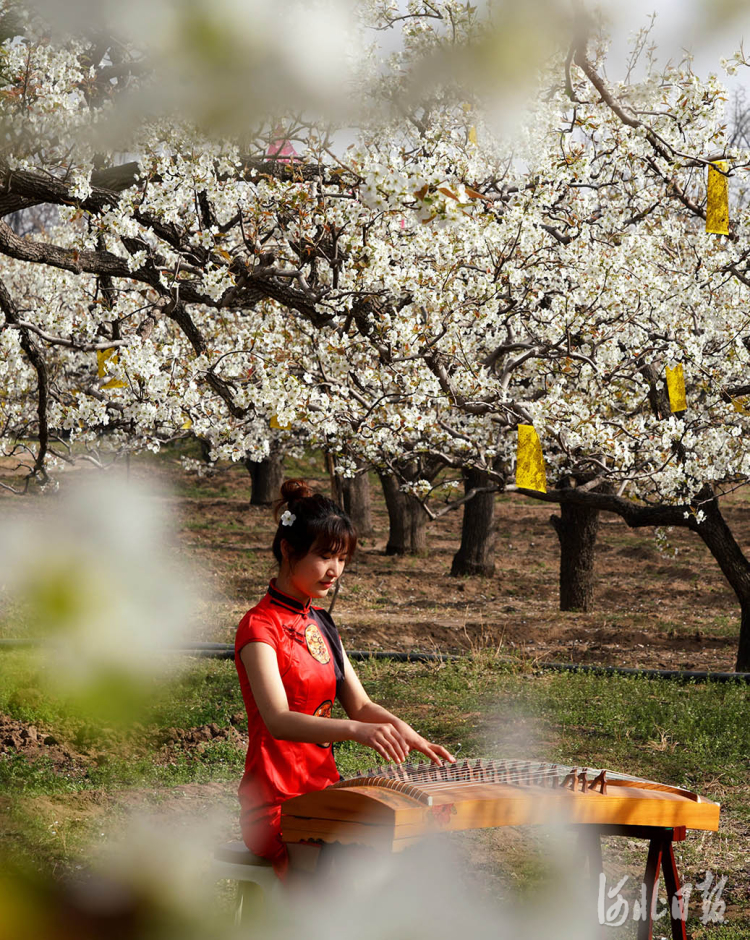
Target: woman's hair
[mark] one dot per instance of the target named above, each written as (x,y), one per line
(308,520)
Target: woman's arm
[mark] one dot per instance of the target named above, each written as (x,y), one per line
(262,667)
(359,706)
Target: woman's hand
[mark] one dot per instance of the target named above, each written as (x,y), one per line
(384,738)
(415,742)
(395,741)
(378,728)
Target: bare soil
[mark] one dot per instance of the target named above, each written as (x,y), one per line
(18,737)
(652,609)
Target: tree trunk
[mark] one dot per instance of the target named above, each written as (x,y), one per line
(417,526)
(266,477)
(719,540)
(337,486)
(577,528)
(394,503)
(407,521)
(712,529)
(477,552)
(743,649)
(357,504)
(205,451)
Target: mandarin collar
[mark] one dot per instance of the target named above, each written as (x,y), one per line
(284,600)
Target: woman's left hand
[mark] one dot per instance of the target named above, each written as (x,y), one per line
(415,742)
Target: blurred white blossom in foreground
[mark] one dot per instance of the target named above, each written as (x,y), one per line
(156,883)
(92,575)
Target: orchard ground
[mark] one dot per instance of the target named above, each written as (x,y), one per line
(651,609)
(63,780)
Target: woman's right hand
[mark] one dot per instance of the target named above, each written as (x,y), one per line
(383,738)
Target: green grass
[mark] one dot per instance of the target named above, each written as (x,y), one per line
(19,776)
(692,735)
(724,625)
(199,490)
(683,733)
(721,932)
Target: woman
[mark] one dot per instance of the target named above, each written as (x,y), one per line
(292,666)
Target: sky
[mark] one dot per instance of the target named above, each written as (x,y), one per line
(683,25)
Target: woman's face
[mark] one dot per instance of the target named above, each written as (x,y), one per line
(311,576)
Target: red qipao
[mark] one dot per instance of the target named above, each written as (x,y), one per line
(311,665)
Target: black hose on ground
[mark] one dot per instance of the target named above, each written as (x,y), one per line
(226,651)
(679,675)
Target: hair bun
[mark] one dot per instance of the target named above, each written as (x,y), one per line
(294,489)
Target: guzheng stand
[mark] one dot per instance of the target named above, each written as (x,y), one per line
(660,858)
(393,807)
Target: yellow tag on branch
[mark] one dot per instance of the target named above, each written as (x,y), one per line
(530,470)
(274,422)
(186,425)
(717,202)
(473,135)
(102,357)
(676,388)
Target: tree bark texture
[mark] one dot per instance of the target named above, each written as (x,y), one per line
(407,520)
(357,503)
(477,552)
(719,540)
(205,450)
(713,530)
(417,526)
(743,649)
(336,481)
(577,528)
(266,477)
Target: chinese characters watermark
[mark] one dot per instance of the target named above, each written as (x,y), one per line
(614,909)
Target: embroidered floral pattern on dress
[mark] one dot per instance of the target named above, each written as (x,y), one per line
(324,711)
(316,644)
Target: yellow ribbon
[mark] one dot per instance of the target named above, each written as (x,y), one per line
(676,388)
(530,471)
(717,202)
(102,357)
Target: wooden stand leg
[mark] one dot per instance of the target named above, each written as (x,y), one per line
(590,847)
(660,857)
(676,904)
(651,881)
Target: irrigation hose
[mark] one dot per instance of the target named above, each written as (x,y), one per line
(226,651)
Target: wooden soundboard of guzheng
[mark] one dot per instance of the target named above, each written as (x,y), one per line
(394,806)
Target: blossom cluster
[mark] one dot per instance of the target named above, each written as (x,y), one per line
(407,303)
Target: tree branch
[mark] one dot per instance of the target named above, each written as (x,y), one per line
(68,343)
(635,515)
(34,355)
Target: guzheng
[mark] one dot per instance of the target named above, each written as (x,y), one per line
(394,806)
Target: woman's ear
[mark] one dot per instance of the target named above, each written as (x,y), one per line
(285,549)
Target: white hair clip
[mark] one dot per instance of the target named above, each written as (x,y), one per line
(287,518)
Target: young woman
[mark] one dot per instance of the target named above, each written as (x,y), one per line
(292,666)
